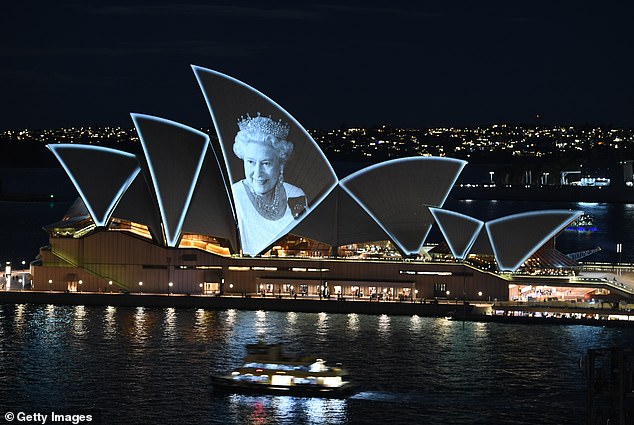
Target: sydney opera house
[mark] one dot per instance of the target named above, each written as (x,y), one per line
(259,209)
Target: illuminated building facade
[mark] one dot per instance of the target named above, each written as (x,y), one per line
(262,211)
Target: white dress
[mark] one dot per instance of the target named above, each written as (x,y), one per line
(256,231)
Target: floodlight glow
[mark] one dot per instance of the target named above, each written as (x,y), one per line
(392,162)
(313,202)
(571,215)
(460,255)
(171,235)
(100,220)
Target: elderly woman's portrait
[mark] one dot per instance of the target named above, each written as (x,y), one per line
(265,203)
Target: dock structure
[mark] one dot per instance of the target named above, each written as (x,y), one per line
(609,374)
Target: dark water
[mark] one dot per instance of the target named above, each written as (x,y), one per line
(140,365)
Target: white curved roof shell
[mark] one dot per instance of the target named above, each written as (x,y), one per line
(139,205)
(460,230)
(397,195)
(516,237)
(100,175)
(230,100)
(340,220)
(173,180)
(210,211)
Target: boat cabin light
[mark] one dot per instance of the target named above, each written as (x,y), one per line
(281,380)
(332,381)
(318,366)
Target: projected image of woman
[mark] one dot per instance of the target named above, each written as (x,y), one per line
(265,203)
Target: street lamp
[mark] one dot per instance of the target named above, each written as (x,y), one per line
(110,284)
(479,293)
(80,283)
(50,285)
(141,287)
(201,287)
(491,173)
(169,292)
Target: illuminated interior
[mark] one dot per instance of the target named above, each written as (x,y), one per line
(130,226)
(204,242)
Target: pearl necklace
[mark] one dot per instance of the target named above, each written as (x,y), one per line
(268,210)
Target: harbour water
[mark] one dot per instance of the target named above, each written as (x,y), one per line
(141,365)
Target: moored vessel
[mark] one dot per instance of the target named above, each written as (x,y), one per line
(584,223)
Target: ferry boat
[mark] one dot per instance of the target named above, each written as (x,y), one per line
(267,370)
(585,223)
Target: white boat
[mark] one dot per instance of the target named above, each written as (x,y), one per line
(267,370)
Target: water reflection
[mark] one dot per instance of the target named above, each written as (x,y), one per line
(324,411)
(353,323)
(292,410)
(50,311)
(18,320)
(291,328)
(283,405)
(415,323)
(322,326)
(481,329)
(1,321)
(50,321)
(258,414)
(593,336)
(79,325)
(231,317)
(260,324)
(384,326)
(109,322)
(169,323)
(291,318)
(140,330)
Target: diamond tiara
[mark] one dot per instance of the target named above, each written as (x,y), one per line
(266,125)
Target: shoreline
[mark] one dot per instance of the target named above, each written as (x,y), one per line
(456,312)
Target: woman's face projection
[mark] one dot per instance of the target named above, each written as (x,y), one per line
(262,167)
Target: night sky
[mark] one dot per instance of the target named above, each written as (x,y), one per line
(329,64)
